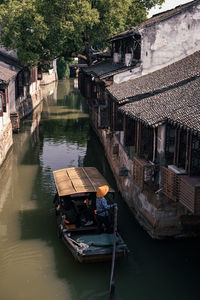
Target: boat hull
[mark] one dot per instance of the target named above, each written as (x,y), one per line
(100,255)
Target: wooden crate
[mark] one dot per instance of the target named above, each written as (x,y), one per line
(190,193)
(170,184)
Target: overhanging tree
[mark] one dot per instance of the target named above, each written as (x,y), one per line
(41,30)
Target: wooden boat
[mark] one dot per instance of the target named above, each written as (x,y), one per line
(77,225)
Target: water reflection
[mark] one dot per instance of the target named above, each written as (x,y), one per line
(34,262)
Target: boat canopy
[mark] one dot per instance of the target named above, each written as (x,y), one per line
(78,180)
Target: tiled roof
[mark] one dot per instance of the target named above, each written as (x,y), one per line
(157,81)
(8,58)
(155,19)
(105,69)
(6,74)
(180,105)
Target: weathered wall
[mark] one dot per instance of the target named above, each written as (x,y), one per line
(166,42)
(11,95)
(6,139)
(170,40)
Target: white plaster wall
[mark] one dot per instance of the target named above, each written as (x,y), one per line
(165,43)
(170,40)
(130,74)
(32,88)
(161,139)
(11,96)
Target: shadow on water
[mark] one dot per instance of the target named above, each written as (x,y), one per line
(153,270)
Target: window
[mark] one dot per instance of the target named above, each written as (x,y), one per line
(19,85)
(129,131)
(102,116)
(117,46)
(1,104)
(181,148)
(195,156)
(146,142)
(118,120)
(170,144)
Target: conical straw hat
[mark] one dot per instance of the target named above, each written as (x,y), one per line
(102,191)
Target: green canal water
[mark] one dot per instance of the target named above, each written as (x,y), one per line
(34,263)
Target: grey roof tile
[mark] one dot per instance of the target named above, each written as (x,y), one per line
(158,80)
(6,74)
(180,105)
(105,69)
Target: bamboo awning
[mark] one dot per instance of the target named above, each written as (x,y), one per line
(78,180)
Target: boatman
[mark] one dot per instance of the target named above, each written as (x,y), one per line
(102,210)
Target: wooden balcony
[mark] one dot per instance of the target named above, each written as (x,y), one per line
(182,188)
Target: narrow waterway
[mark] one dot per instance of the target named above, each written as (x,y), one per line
(34,263)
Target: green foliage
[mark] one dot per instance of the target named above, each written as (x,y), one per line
(62,68)
(41,30)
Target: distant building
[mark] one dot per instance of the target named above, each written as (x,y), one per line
(26,93)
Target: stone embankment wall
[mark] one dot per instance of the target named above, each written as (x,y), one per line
(6,141)
(24,108)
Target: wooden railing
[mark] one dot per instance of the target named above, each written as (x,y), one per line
(190,193)
(182,188)
(170,184)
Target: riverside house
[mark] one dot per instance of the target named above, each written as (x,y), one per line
(26,93)
(7,79)
(148,119)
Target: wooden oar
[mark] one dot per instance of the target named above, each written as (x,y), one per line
(112,281)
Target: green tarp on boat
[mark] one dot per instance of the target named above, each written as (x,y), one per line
(98,240)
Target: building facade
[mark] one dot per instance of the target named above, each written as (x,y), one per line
(7,79)
(146,114)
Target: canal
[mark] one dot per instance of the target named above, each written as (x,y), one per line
(34,263)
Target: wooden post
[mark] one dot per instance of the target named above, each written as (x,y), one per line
(112,281)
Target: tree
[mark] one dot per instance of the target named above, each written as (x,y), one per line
(41,30)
